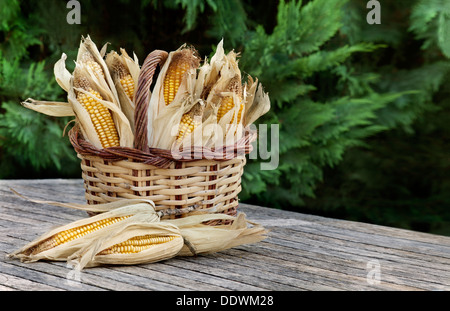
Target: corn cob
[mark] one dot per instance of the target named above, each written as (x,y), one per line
(89,61)
(226,105)
(136,244)
(72,234)
(227,102)
(190,121)
(127,83)
(100,115)
(125,78)
(181,62)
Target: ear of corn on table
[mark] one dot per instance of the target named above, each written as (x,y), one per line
(133,233)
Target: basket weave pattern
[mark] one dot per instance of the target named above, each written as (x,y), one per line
(203,183)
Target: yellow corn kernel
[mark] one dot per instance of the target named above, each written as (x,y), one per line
(136,244)
(190,121)
(73,234)
(226,105)
(127,83)
(187,126)
(227,102)
(100,115)
(89,60)
(181,62)
(124,76)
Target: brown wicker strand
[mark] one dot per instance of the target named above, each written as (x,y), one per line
(160,157)
(155,58)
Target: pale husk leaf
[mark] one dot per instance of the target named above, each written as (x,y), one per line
(258,107)
(62,75)
(113,61)
(95,208)
(50,108)
(203,238)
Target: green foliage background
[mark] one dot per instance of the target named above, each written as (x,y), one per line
(362,108)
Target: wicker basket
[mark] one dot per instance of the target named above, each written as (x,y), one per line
(213,181)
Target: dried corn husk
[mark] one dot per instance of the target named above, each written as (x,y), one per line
(62,75)
(95,208)
(223,80)
(39,249)
(164,119)
(202,239)
(54,109)
(104,84)
(120,120)
(87,52)
(257,104)
(94,254)
(119,66)
(101,82)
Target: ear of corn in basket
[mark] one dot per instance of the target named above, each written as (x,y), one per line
(225,98)
(92,59)
(99,115)
(172,96)
(63,241)
(190,127)
(93,67)
(125,72)
(101,91)
(182,63)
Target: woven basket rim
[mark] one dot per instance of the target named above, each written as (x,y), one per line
(162,158)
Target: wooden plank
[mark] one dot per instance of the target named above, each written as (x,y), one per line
(11,282)
(43,276)
(281,218)
(191,280)
(272,277)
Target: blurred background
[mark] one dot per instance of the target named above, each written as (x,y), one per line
(363,109)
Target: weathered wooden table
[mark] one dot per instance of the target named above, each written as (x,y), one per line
(302,252)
